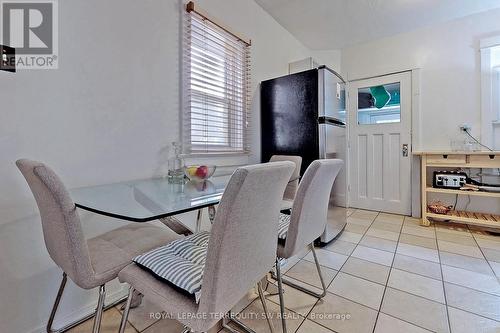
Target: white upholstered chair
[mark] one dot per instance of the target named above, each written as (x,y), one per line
(307,221)
(88,263)
(241,250)
(293,184)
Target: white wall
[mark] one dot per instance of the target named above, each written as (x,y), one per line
(330,58)
(107,114)
(448,56)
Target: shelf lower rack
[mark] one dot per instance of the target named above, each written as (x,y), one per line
(480,219)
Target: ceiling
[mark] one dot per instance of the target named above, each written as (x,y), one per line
(335,24)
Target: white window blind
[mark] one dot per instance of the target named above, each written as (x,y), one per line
(216,86)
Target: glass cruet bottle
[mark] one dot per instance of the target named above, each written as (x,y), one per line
(176,164)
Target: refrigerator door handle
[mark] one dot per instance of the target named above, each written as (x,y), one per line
(330,121)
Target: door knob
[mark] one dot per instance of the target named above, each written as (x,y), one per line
(404,150)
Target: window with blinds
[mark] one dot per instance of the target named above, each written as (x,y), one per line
(216,67)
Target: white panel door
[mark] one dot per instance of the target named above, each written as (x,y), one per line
(380,143)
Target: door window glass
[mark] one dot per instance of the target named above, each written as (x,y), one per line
(379,104)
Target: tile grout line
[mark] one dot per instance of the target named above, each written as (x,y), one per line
(385,239)
(414,324)
(407,292)
(442,277)
(476,290)
(256,299)
(362,278)
(130,323)
(156,322)
(475,314)
(373,221)
(481,250)
(403,320)
(366,306)
(386,286)
(433,262)
(466,287)
(350,300)
(338,271)
(318,300)
(349,256)
(388,277)
(357,244)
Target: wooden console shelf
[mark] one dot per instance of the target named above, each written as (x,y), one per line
(457,159)
(459,192)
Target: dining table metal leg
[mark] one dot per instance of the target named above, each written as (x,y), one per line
(211,213)
(198,220)
(136,299)
(175,225)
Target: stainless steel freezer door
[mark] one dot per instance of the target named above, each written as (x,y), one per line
(333,145)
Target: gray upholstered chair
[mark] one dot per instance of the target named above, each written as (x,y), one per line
(308,219)
(88,263)
(241,250)
(293,184)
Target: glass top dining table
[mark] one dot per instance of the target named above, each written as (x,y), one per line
(149,199)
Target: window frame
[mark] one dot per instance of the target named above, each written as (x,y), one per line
(490,113)
(237,108)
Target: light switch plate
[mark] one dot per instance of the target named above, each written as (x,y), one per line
(7,58)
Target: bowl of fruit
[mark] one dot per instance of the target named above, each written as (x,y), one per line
(199,172)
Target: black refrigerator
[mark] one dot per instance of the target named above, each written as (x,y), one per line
(304,114)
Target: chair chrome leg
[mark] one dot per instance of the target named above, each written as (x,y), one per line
(318,268)
(99,310)
(280,291)
(77,322)
(56,303)
(126,310)
(305,290)
(264,306)
(243,327)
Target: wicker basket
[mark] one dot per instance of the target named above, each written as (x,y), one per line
(438,207)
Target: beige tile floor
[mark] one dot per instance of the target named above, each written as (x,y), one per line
(386,274)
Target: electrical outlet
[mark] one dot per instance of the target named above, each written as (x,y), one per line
(7,58)
(465,128)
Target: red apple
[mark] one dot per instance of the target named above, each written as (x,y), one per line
(202,171)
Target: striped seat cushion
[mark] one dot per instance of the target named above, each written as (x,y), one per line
(283,225)
(181,262)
